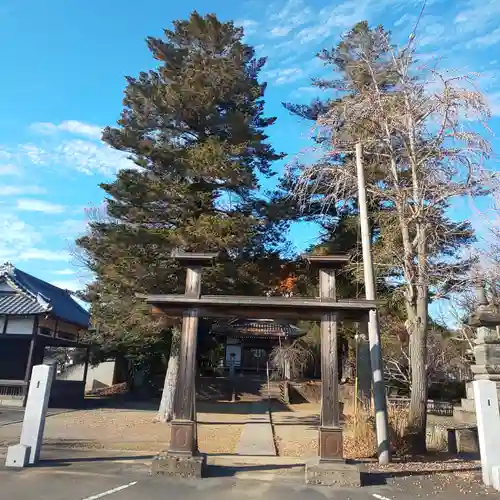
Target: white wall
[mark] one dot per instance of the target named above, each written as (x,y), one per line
(20,326)
(97,376)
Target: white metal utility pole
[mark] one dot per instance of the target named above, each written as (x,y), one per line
(381,420)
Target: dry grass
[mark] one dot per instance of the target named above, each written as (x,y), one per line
(360,439)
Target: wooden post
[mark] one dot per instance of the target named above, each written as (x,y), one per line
(183,432)
(183,440)
(86,368)
(330,432)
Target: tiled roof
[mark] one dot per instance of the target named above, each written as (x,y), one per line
(35,296)
(257,328)
(19,303)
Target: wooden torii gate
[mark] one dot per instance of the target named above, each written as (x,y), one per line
(182,458)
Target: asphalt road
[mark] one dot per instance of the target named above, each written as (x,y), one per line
(85,477)
(90,475)
(82,482)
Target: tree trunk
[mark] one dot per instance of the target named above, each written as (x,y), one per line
(417,417)
(166,410)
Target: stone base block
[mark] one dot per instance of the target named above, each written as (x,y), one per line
(468,440)
(335,474)
(464,417)
(331,445)
(468,405)
(18,456)
(181,466)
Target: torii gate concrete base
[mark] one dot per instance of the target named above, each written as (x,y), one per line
(182,458)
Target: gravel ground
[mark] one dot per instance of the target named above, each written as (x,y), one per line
(127,430)
(428,477)
(296,433)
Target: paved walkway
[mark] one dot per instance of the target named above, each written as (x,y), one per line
(257,434)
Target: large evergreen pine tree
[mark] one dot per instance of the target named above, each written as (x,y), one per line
(196,131)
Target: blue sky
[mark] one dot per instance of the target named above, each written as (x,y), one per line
(64,64)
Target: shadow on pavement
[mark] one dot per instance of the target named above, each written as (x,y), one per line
(59,462)
(230,471)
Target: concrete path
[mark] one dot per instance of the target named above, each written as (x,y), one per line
(257,435)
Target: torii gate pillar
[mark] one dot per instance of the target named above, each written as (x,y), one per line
(330,468)
(182,458)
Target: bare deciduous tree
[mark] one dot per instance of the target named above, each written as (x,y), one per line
(293,358)
(420,136)
(446,360)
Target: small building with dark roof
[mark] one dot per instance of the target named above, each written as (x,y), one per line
(249,342)
(34,316)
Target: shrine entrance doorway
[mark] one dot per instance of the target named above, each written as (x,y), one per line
(182,457)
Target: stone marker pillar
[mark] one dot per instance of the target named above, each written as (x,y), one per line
(34,418)
(182,458)
(486,357)
(329,468)
(488,425)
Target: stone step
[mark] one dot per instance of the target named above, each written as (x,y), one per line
(468,405)
(461,416)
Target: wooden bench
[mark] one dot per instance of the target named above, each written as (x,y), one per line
(469,432)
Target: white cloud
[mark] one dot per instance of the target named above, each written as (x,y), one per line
(89,157)
(249,26)
(405,19)
(32,205)
(65,272)
(70,227)
(79,128)
(71,126)
(285,75)
(71,285)
(494,102)
(39,254)
(59,151)
(43,128)
(20,190)
(16,237)
(333,20)
(431,33)
(492,38)
(279,31)
(34,154)
(477,15)
(289,16)
(306,90)
(9,170)
(288,75)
